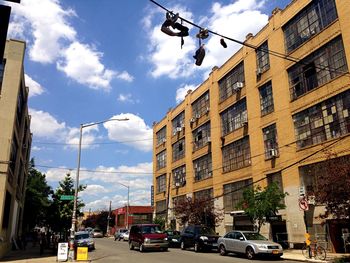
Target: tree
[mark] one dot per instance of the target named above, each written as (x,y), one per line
(37,199)
(61,210)
(333,186)
(259,204)
(159,220)
(198,211)
(99,220)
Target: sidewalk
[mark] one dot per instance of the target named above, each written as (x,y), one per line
(294,254)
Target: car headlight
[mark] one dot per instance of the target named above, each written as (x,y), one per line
(165,238)
(262,246)
(203,238)
(174,240)
(147,240)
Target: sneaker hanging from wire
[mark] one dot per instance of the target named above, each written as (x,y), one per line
(203,33)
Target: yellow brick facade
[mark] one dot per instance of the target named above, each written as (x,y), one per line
(282,116)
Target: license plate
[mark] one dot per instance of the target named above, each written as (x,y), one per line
(214,244)
(275,252)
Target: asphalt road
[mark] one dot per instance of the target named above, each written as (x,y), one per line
(108,250)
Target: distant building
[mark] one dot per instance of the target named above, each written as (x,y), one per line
(15,143)
(256,116)
(135,215)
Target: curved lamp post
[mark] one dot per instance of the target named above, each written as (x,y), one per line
(74,215)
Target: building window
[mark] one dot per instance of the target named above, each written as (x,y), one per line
(201,136)
(13,155)
(178,123)
(270,141)
(203,194)
(266,99)
(179,150)
(161,160)
(262,58)
(7,210)
(202,168)
(276,178)
(179,176)
(234,117)
(318,68)
(229,85)
(201,106)
(161,183)
(324,121)
(20,105)
(179,199)
(310,21)
(236,155)
(233,194)
(161,208)
(2,69)
(161,136)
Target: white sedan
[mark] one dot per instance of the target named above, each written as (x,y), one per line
(125,236)
(248,243)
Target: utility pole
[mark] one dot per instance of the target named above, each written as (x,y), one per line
(109,217)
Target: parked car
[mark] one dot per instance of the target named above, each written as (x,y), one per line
(125,236)
(147,236)
(173,237)
(83,239)
(248,243)
(97,233)
(199,237)
(118,234)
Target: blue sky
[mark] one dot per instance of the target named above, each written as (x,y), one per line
(92,60)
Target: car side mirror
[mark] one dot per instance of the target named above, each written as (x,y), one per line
(241,238)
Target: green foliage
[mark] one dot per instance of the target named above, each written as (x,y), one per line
(37,201)
(160,221)
(99,220)
(259,204)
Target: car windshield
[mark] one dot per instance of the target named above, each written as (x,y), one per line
(82,236)
(206,231)
(151,230)
(123,230)
(254,236)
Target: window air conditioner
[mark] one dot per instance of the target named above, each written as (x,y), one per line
(237,86)
(177,184)
(207,109)
(163,140)
(178,129)
(192,120)
(273,152)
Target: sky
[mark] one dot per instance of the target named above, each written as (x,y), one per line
(92,60)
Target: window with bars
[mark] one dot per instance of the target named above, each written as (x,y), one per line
(234,117)
(276,178)
(178,122)
(202,168)
(201,106)
(318,68)
(161,135)
(228,84)
(203,194)
(179,150)
(308,22)
(270,141)
(323,121)
(236,155)
(266,99)
(13,154)
(201,136)
(233,193)
(161,183)
(262,58)
(179,176)
(161,160)
(161,208)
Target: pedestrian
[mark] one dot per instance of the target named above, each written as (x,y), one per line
(42,242)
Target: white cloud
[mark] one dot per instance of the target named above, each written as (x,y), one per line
(45,125)
(133,132)
(182,92)
(34,87)
(234,20)
(94,189)
(58,174)
(52,39)
(127,98)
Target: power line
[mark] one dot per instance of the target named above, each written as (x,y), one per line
(274,53)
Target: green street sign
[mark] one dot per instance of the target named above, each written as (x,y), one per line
(67,197)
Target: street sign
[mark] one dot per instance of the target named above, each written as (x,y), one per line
(62,251)
(67,197)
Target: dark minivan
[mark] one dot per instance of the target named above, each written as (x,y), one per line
(199,237)
(147,236)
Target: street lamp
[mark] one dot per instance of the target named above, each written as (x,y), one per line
(74,215)
(127,205)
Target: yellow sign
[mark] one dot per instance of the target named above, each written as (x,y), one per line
(82,253)
(307,237)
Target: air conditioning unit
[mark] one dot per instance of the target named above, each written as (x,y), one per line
(258,71)
(192,120)
(163,140)
(198,116)
(208,139)
(178,129)
(177,184)
(237,86)
(273,153)
(207,109)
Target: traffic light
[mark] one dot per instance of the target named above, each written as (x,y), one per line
(307,239)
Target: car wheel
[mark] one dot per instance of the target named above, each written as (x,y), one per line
(250,253)
(196,247)
(222,250)
(182,245)
(131,246)
(142,248)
